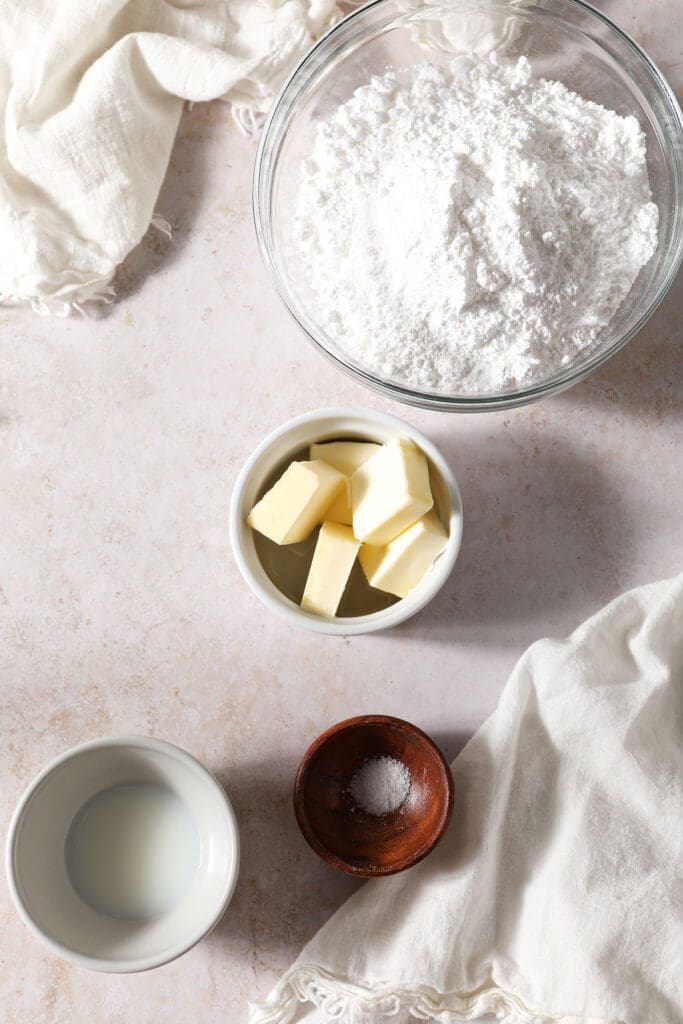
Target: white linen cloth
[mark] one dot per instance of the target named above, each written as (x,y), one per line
(91,93)
(557,892)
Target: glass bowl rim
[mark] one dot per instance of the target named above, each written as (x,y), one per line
(272,137)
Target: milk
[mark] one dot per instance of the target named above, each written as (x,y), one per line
(132,851)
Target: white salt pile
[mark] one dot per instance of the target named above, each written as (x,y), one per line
(381,785)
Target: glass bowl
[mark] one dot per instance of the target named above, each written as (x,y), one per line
(566,40)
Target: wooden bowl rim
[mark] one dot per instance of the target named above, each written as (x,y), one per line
(372,871)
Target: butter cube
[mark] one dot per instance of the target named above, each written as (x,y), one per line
(297,503)
(346,456)
(333,558)
(340,510)
(400,566)
(390,492)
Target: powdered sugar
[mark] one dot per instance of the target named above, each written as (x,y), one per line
(468,228)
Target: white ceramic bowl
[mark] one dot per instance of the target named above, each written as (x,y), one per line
(326,425)
(36,862)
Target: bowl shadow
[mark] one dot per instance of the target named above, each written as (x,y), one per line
(546,535)
(452,741)
(284,892)
(645,379)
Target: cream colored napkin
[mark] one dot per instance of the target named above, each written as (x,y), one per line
(91,93)
(557,893)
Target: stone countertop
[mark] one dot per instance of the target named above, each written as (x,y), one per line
(122,611)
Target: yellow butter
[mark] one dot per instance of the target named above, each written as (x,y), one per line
(346,456)
(399,567)
(297,503)
(389,492)
(333,558)
(340,510)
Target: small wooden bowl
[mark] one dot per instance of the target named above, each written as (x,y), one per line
(349,838)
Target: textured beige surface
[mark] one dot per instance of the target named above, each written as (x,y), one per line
(121,609)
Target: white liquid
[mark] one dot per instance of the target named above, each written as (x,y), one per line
(132,851)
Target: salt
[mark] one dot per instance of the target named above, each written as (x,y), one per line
(381,785)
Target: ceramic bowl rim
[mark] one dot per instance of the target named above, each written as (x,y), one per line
(405,607)
(103,964)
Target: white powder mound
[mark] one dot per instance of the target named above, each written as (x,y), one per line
(469,229)
(381,785)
